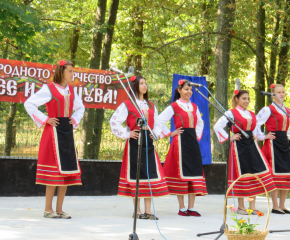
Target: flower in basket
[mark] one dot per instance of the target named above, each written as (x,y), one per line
(260,214)
(249,199)
(244,226)
(230,206)
(249,211)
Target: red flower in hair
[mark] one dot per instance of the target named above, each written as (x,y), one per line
(236,92)
(272,86)
(180,82)
(62,63)
(133,78)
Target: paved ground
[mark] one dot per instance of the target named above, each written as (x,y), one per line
(110,218)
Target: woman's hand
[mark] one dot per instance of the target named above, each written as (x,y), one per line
(178,131)
(270,136)
(72,122)
(134,134)
(53,122)
(236,137)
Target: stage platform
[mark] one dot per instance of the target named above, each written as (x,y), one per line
(110,217)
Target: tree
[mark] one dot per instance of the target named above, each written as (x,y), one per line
(284,49)
(93,138)
(260,49)
(89,133)
(274,47)
(222,59)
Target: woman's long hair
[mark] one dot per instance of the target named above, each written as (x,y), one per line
(58,73)
(135,86)
(241,92)
(176,93)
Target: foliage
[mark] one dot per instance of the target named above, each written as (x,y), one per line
(42,31)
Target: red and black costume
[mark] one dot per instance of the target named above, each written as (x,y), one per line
(57,163)
(277,150)
(245,155)
(183,166)
(127,184)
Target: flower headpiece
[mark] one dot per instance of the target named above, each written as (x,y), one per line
(62,62)
(133,78)
(272,86)
(180,82)
(236,92)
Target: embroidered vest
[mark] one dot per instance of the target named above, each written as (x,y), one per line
(60,105)
(182,118)
(133,116)
(244,123)
(277,121)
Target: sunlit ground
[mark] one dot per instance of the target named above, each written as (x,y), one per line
(111,218)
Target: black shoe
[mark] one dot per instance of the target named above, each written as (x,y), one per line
(286,211)
(278,211)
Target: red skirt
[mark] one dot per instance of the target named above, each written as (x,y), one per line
(183,170)
(280,171)
(127,183)
(247,157)
(49,171)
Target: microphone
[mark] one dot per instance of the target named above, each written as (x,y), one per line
(195,84)
(267,93)
(114,69)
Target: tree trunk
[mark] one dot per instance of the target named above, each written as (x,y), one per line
(226,13)
(260,48)
(106,52)
(274,49)
(205,43)
(9,136)
(91,119)
(74,44)
(283,55)
(138,37)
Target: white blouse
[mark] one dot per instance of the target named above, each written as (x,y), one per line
(121,114)
(263,116)
(223,121)
(167,114)
(43,96)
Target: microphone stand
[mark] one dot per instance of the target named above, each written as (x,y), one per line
(141,124)
(229,125)
(270,98)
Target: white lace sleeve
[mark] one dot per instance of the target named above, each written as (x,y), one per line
(119,117)
(262,117)
(199,125)
(157,125)
(31,105)
(220,125)
(79,109)
(164,117)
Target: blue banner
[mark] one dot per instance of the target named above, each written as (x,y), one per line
(205,143)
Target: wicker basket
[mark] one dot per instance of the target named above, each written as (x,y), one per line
(232,234)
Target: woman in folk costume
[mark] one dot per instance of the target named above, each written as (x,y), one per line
(276,146)
(57,164)
(183,167)
(245,154)
(127,184)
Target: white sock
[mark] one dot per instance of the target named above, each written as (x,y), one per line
(191,209)
(182,210)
